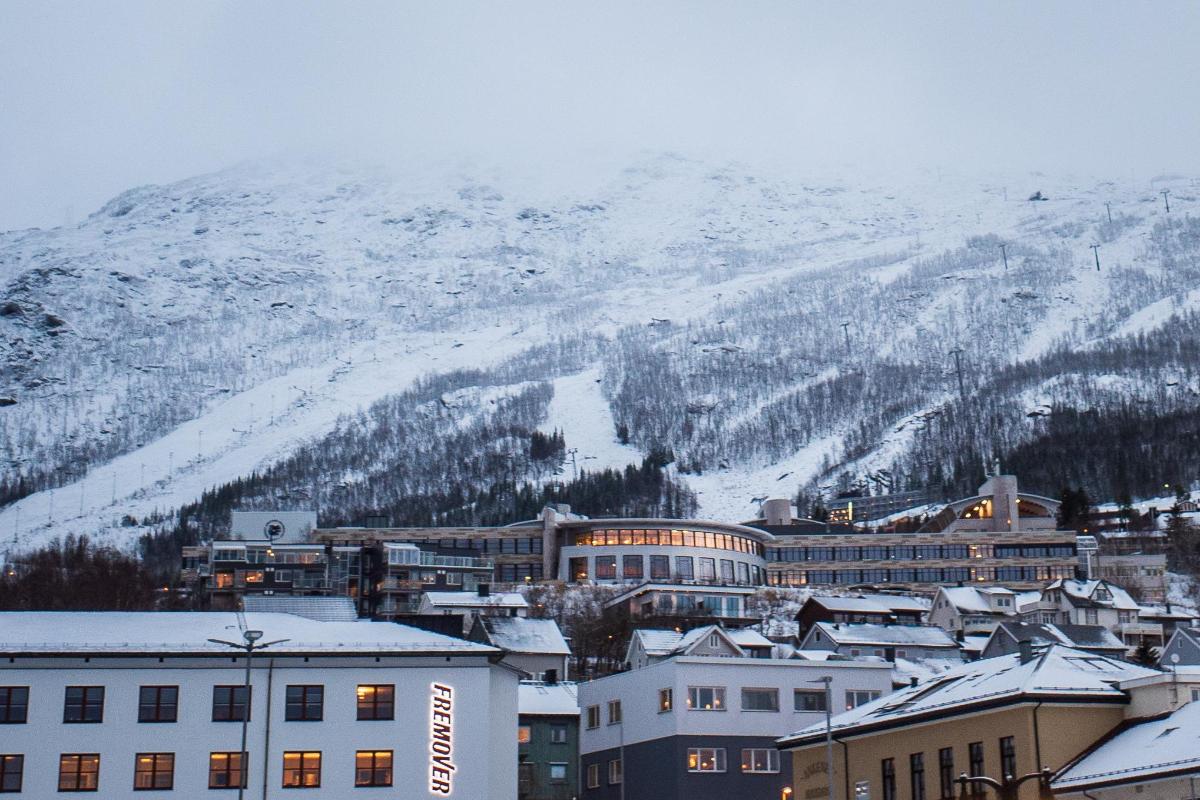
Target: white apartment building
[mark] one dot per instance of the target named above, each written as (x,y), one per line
(701,727)
(145,704)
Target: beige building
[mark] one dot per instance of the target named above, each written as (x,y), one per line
(1010,715)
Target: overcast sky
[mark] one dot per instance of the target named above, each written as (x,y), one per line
(100,96)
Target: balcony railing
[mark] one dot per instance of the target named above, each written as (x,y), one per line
(404,558)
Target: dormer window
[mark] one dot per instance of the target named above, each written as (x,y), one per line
(714,640)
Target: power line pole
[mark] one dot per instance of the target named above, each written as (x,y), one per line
(962,391)
(1004,253)
(1166,193)
(1109,207)
(846,330)
(1096,253)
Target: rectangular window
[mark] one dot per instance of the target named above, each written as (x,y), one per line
(1008,757)
(14,704)
(12,768)
(558,772)
(665,700)
(158,703)
(660,568)
(683,568)
(558,734)
(372,768)
(225,771)
(84,704)
(764,759)
(858,697)
(708,569)
(809,700)
(760,699)
(304,703)
(975,755)
(606,568)
(888,782)
(615,774)
(593,717)
(524,734)
(79,772)
(154,771)
(916,770)
(301,770)
(614,712)
(706,759)
(743,572)
(376,701)
(593,776)
(631,567)
(706,698)
(946,772)
(726,570)
(230,703)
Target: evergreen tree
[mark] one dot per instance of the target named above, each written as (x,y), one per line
(1145,655)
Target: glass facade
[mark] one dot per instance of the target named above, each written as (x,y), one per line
(662,537)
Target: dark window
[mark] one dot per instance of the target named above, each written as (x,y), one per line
(660,567)
(376,701)
(606,568)
(727,573)
(84,704)
(373,768)
(946,772)
(225,771)
(14,704)
(558,734)
(11,769)
(809,699)
(631,566)
(301,770)
(1008,757)
(916,768)
(304,703)
(975,756)
(158,703)
(888,784)
(683,568)
(79,772)
(154,771)
(230,703)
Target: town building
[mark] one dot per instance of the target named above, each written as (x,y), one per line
(889,642)
(878,609)
(648,602)
(704,727)
(1182,648)
(112,703)
(534,646)
(1007,638)
(548,741)
(1010,715)
(872,507)
(970,610)
(649,646)
(1095,602)
(471,605)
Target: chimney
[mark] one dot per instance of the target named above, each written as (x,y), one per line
(485,590)
(912,680)
(551,676)
(777,511)
(1025,648)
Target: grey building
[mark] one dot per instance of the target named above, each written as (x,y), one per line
(911,642)
(1184,643)
(1089,638)
(534,646)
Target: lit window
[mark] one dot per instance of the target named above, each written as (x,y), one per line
(764,759)
(523,734)
(371,768)
(558,773)
(79,772)
(301,770)
(376,701)
(154,771)
(12,769)
(665,700)
(858,697)
(706,759)
(225,771)
(706,698)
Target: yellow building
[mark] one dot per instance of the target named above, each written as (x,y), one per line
(1011,715)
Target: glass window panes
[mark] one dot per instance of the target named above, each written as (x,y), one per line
(158,703)
(524,734)
(230,703)
(665,699)
(154,771)
(706,698)
(372,768)
(558,734)
(809,699)
(12,768)
(615,771)
(14,704)
(558,773)
(764,759)
(304,703)
(225,771)
(760,699)
(706,759)
(301,769)
(79,772)
(376,701)
(84,704)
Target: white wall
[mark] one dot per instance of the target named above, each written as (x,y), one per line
(485,749)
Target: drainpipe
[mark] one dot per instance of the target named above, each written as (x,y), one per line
(267,737)
(1037,739)
(845,771)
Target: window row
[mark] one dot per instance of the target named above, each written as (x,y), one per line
(949,575)
(947,777)
(919,552)
(85,704)
(80,772)
(517,545)
(616,774)
(712,759)
(669,538)
(712,698)
(687,568)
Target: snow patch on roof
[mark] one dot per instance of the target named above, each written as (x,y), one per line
(1167,744)
(535,698)
(522,635)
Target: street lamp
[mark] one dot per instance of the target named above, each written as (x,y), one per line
(828,681)
(1006,789)
(250,645)
(785,793)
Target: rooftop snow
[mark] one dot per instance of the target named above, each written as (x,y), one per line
(866,633)
(522,635)
(321,609)
(878,603)
(473,599)
(535,698)
(1169,744)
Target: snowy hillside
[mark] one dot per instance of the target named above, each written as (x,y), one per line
(766,328)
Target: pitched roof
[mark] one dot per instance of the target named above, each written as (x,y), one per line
(663,643)
(189,632)
(967,598)
(1082,594)
(535,698)
(322,609)
(523,635)
(888,635)
(1058,672)
(1081,636)
(1158,747)
(871,603)
(748,637)
(474,599)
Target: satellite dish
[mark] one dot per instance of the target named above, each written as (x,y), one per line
(1174,658)
(274,530)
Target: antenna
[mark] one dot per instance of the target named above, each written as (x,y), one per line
(1166,193)
(1096,253)
(1004,252)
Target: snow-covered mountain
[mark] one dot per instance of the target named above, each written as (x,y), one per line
(772,330)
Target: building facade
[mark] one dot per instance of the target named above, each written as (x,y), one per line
(548,741)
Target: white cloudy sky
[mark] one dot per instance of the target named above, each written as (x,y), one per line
(96,97)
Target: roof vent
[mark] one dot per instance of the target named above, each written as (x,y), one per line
(1025,648)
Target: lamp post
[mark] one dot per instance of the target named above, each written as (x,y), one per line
(250,645)
(785,793)
(1006,789)
(828,681)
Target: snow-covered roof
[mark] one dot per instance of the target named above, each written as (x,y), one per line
(1081,636)
(1156,748)
(1082,593)
(537,699)
(656,642)
(974,642)
(967,598)
(903,670)
(748,637)
(1058,672)
(476,600)
(871,603)
(677,588)
(663,642)
(322,609)
(524,635)
(189,632)
(1161,612)
(868,633)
